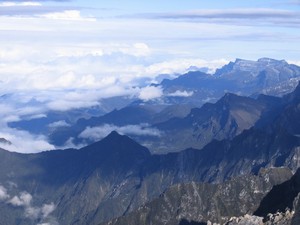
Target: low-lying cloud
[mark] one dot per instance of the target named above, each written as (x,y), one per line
(60,123)
(179,93)
(150,92)
(24,200)
(97,133)
(23,141)
(3,193)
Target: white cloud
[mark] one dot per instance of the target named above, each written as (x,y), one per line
(32,212)
(39,212)
(67,15)
(3,193)
(180,66)
(181,93)
(150,92)
(97,133)
(137,50)
(10,4)
(70,144)
(47,209)
(24,142)
(294,62)
(23,200)
(64,105)
(60,123)
(37,116)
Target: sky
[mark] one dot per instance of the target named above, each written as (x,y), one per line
(68,54)
(63,44)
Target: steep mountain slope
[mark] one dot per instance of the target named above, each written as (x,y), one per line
(280,197)
(225,119)
(136,114)
(77,182)
(128,115)
(202,202)
(115,176)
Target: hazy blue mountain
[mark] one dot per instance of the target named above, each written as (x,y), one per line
(225,119)
(192,90)
(134,114)
(48,121)
(243,77)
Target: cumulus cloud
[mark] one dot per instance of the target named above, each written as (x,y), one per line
(24,142)
(60,123)
(70,144)
(23,3)
(74,15)
(180,66)
(23,200)
(150,92)
(97,133)
(3,193)
(39,212)
(179,93)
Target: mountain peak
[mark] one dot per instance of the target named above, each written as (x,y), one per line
(114,134)
(250,66)
(230,98)
(269,60)
(120,146)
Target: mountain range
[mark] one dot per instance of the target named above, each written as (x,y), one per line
(116,175)
(176,160)
(180,95)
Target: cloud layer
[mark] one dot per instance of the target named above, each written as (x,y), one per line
(97,133)
(25,200)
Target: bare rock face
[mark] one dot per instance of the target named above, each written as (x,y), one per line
(245,220)
(214,202)
(272,219)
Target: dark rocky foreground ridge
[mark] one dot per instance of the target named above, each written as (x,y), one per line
(204,202)
(116,175)
(215,204)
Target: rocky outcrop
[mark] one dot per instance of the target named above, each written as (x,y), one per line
(202,202)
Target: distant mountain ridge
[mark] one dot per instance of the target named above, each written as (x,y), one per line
(191,91)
